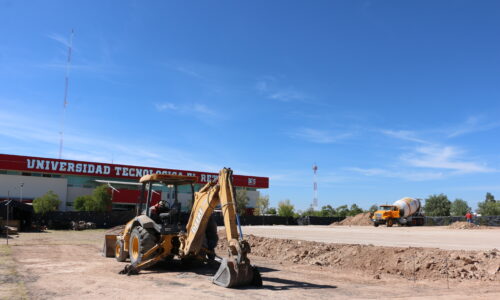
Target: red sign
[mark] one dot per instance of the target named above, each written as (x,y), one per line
(93,169)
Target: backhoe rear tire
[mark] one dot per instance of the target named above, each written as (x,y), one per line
(120,254)
(390,222)
(141,240)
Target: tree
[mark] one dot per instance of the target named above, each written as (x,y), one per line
(82,202)
(490,207)
(48,202)
(309,212)
(285,208)
(272,211)
(327,211)
(459,207)
(262,205)
(489,198)
(342,211)
(373,208)
(100,200)
(355,209)
(241,201)
(437,205)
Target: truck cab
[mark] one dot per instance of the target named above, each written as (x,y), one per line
(386,214)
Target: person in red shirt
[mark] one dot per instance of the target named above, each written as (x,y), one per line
(468,216)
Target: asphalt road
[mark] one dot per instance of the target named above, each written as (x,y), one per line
(429,237)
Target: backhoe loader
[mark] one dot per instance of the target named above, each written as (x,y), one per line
(158,232)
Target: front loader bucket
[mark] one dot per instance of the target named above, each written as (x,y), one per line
(108,249)
(230,276)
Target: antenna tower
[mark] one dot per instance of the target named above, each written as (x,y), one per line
(66,84)
(315,187)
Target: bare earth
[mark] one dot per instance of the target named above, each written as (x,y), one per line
(426,236)
(68,265)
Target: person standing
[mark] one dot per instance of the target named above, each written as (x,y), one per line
(468,216)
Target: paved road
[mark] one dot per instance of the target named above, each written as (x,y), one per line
(430,237)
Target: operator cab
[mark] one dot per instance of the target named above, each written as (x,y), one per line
(167,214)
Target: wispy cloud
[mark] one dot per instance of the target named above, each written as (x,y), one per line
(404,135)
(269,87)
(472,124)
(195,108)
(444,157)
(93,147)
(318,136)
(407,175)
(188,71)
(59,38)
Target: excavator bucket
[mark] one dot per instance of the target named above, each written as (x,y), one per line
(232,275)
(108,249)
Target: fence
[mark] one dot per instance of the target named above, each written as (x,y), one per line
(62,220)
(444,221)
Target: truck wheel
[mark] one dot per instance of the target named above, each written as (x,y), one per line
(390,222)
(375,224)
(141,240)
(120,254)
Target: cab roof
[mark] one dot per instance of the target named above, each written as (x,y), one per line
(169,179)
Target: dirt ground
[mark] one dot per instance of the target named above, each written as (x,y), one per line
(68,265)
(442,237)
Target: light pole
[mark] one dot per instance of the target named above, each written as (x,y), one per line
(21,191)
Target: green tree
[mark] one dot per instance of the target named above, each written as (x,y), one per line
(285,208)
(262,205)
(437,205)
(354,210)
(48,202)
(489,198)
(342,211)
(241,201)
(310,212)
(82,202)
(327,211)
(490,207)
(100,200)
(459,207)
(272,211)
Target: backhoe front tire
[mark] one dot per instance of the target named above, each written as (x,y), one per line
(120,254)
(375,224)
(390,222)
(141,240)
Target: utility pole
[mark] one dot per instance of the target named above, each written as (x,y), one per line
(66,85)
(315,187)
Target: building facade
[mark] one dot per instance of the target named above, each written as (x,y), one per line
(25,178)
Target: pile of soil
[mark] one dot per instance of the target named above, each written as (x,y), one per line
(466,225)
(410,263)
(362,219)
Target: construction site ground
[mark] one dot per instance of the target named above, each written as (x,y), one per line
(69,265)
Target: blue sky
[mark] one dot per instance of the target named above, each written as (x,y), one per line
(389,98)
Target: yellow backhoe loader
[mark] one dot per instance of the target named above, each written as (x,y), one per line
(158,233)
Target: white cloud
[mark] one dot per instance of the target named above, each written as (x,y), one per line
(472,124)
(59,38)
(195,109)
(188,71)
(92,147)
(318,136)
(404,135)
(271,89)
(408,174)
(444,157)
(165,106)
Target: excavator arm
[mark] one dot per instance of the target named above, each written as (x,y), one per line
(235,270)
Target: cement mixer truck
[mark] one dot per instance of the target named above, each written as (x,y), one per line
(404,212)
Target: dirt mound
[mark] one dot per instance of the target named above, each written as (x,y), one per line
(409,263)
(362,219)
(466,225)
